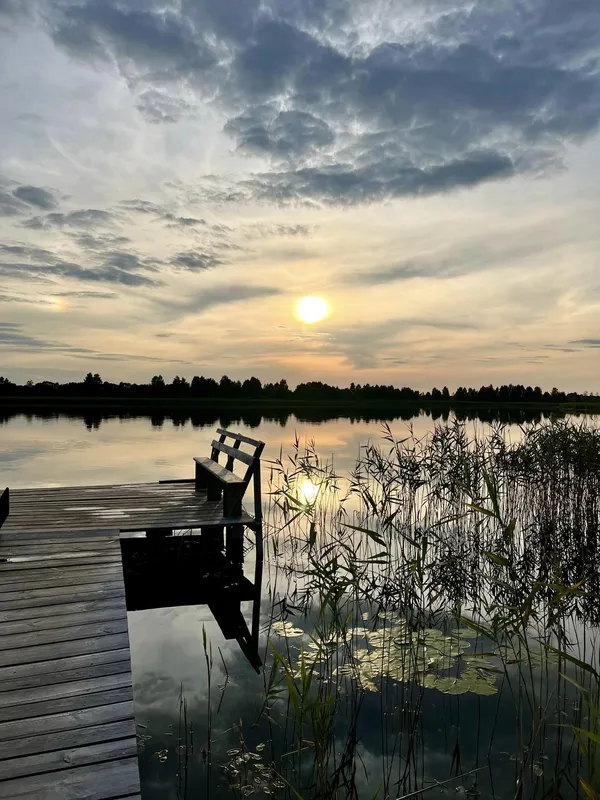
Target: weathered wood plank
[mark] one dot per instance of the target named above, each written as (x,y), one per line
(47,547)
(116,667)
(60,705)
(42,693)
(60,668)
(33,534)
(112,779)
(40,538)
(144,522)
(220,472)
(241,436)
(45,621)
(49,577)
(233,452)
(68,758)
(77,647)
(45,743)
(82,629)
(44,563)
(52,723)
(29,598)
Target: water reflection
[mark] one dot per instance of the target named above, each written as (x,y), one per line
(195,569)
(253,418)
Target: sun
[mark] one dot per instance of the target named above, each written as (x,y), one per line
(308,491)
(312,309)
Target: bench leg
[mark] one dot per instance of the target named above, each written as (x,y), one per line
(159,533)
(213,533)
(234,543)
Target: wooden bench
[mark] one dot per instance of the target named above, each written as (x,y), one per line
(219,481)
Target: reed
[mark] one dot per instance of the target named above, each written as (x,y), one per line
(433,622)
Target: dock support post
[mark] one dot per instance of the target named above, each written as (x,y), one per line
(4,506)
(158,533)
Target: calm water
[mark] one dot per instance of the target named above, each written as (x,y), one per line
(167,648)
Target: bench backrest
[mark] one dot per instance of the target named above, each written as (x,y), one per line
(235,453)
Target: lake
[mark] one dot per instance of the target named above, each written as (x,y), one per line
(200,706)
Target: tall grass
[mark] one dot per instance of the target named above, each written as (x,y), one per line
(431,622)
(456,563)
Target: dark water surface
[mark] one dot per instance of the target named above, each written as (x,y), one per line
(199,703)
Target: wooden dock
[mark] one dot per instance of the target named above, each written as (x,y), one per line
(67,728)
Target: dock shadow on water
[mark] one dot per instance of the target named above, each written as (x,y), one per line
(429,627)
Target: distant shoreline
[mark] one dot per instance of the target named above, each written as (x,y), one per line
(16,404)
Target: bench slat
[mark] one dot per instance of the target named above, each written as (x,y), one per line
(234,452)
(240,437)
(220,472)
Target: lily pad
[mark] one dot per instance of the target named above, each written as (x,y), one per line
(286,629)
(466,633)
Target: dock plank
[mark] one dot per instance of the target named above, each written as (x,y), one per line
(106,613)
(116,666)
(64,740)
(53,723)
(46,577)
(30,598)
(68,758)
(43,562)
(110,779)
(58,668)
(41,693)
(49,636)
(77,647)
(60,705)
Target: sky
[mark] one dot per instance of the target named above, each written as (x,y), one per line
(176,175)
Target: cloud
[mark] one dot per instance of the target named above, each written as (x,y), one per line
(154,36)
(115,266)
(284,134)
(264,229)
(379,180)
(195,261)
(219,295)
(90,295)
(128,261)
(12,335)
(364,112)
(85,218)
(158,107)
(66,269)
(10,206)
(587,342)
(462,259)
(100,241)
(143,206)
(184,222)
(367,345)
(36,196)
(30,252)
(14,298)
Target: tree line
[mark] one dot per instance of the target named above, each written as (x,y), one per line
(313,391)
